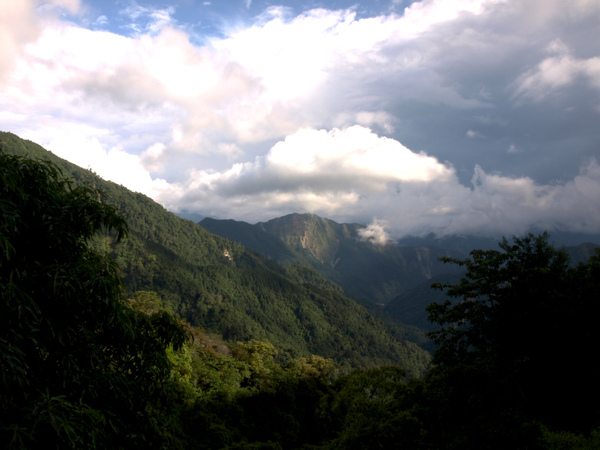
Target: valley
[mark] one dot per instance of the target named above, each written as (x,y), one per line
(290,333)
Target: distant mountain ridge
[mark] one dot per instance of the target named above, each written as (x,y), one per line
(398,275)
(366,271)
(377,273)
(311,236)
(227,289)
(215,282)
(409,307)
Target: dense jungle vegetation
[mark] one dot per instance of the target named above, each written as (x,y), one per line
(367,272)
(92,359)
(225,289)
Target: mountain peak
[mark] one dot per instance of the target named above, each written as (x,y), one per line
(310,234)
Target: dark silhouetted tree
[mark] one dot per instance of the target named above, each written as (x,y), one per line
(516,349)
(80,367)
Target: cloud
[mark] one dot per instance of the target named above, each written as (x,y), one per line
(419,17)
(19,25)
(100,22)
(374,233)
(113,165)
(311,170)
(131,85)
(319,69)
(71,6)
(22,21)
(370,119)
(474,134)
(146,20)
(404,117)
(557,72)
(518,204)
(354,174)
(257,85)
(512,149)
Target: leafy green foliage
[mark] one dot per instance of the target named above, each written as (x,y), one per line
(376,273)
(564,440)
(516,349)
(83,367)
(224,288)
(79,366)
(376,409)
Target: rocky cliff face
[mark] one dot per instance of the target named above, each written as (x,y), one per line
(378,273)
(311,235)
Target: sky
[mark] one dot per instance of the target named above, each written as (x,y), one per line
(412,117)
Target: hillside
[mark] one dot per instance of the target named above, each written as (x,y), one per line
(87,367)
(223,287)
(254,238)
(409,307)
(378,273)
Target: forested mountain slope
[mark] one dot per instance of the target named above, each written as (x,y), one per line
(226,289)
(86,367)
(409,307)
(365,270)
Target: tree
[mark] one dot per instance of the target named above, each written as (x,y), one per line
(80,366)
(516,349)
(375,409)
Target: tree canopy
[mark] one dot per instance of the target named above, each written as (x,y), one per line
(517,346)
(241,296)
(80,367)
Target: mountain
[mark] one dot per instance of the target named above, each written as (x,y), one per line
(409,307)
(465,244)
(256,239)
(314,237)
(227,289)
(378,273)
(396,274)
(582,252)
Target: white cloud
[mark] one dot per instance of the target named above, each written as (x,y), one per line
(374,233)
(472,134)
(369,119)
(261,83)
(146,20)
(518,204)
(354,153)
(438,77)
(151,158)
(290,58)
(293,57)
(56,5)
(558,71)
(352,173)
(21,23)
(18,26)
(422,16)
(100,22)
(113,165)
(313,170)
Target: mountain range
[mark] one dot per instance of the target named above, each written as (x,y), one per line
(233,292)
(365,270)
(395,276)
(307,284)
